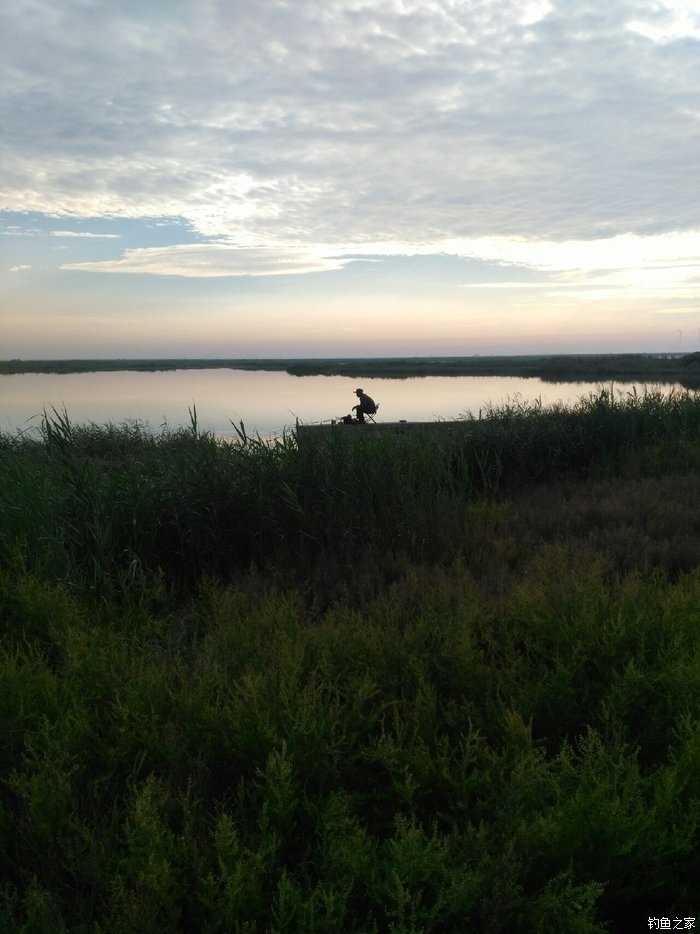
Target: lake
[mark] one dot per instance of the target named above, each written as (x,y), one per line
(266,402)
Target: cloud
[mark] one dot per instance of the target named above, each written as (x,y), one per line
(21,267)
(84,235)
(213,261)
(668,21)
(628,267)
(406,120)
(664,265)
(628,250)
(11,230)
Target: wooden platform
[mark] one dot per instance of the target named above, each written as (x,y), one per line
(373,429)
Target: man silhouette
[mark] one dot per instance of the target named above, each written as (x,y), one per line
(366,405)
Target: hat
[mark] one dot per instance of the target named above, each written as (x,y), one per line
(358,391)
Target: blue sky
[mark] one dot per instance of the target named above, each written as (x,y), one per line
(352,177)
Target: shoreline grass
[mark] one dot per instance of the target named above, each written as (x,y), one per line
(410,685)
(630,367)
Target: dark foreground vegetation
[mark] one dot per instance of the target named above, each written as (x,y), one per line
(630,367)
(440,682)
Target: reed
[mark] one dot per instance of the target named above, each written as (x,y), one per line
(418,685)
(96,506)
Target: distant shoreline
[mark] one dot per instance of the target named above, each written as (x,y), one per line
(670,367)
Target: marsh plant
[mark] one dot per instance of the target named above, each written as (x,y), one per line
(446,681)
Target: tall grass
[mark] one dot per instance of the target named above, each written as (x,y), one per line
(440,682)
(94,506)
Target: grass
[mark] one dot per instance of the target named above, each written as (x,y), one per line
(426,683)
(631,367)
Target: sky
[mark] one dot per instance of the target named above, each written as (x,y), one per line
(313,178)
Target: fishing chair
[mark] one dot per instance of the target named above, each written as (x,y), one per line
(371,417)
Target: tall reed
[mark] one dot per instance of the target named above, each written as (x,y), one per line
(93,506)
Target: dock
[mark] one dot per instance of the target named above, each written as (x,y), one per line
(374,429)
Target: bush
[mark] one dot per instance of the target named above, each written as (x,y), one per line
(218,717)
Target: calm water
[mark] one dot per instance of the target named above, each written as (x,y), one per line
(266,403)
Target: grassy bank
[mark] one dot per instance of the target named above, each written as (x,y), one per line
(629,367)
(419,684)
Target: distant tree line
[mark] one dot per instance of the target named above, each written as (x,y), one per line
(645,367)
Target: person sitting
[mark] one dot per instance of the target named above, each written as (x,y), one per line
(366,405)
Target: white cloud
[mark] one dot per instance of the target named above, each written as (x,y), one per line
(84,235)
(665,266)
(533,11)
(678,249)
(213,261)
(20,267)
(294,123)
(668,21)
(640,267)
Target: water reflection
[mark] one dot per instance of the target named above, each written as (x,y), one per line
(266,402)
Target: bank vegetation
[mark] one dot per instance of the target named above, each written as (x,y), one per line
(433,682)
(683,369)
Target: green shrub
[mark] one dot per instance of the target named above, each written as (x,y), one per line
(423,684)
